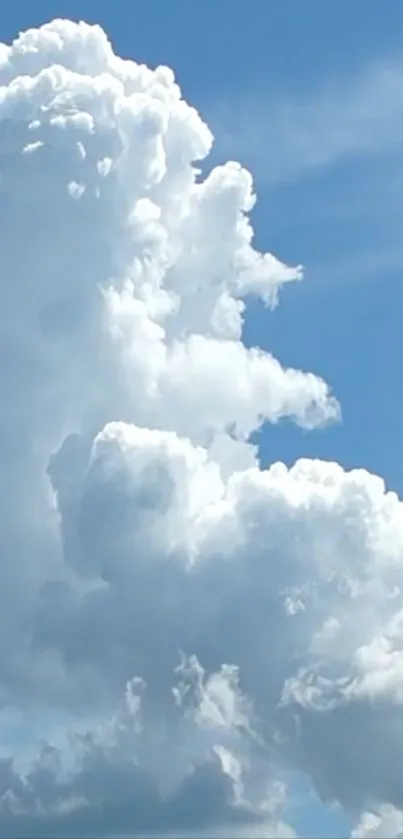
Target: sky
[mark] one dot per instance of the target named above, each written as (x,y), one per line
(201,552)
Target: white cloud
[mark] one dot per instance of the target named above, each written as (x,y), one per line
(249,618)
(385,824)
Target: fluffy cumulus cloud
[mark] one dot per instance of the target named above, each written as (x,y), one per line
(381,825)
(182,632)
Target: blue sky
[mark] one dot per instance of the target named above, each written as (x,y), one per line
(309,96)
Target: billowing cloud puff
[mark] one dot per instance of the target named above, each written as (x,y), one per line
(182,633)
(381,825)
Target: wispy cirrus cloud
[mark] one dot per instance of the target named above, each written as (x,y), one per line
(285,138)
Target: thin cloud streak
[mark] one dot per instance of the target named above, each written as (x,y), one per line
(284,140)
